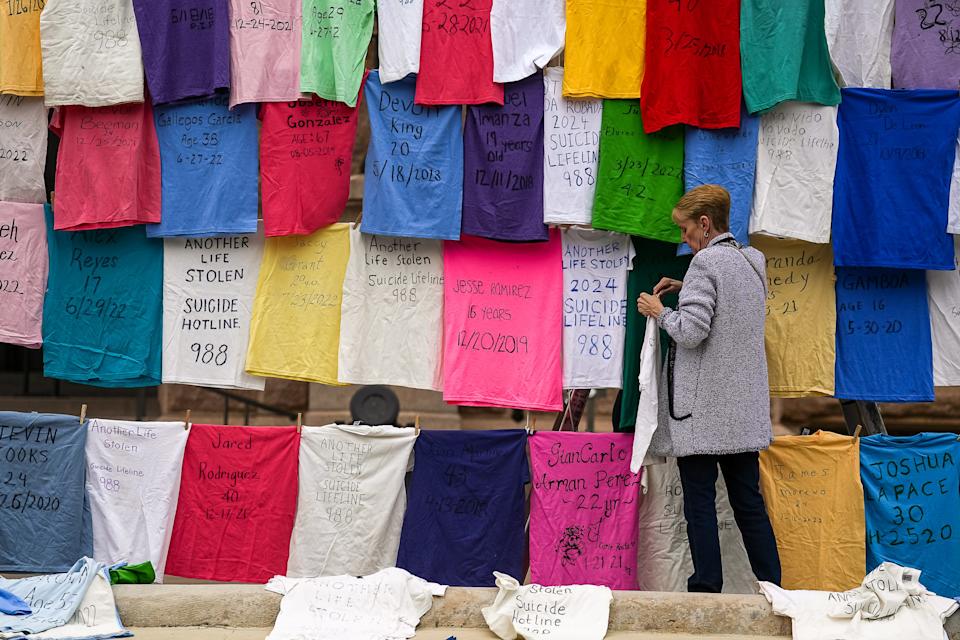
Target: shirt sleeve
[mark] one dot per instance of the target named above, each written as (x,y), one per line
(689,324)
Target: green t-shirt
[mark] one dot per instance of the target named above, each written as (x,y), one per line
(784,55)
(639,177)
(336,35)
(654,260)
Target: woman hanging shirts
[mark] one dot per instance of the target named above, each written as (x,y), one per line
(604,48)
(20,67)
(265,51)
(336,35)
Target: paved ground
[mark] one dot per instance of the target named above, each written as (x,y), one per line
(207,633)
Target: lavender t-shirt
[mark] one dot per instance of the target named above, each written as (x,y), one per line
(186,47)
(926,45)
(503,165)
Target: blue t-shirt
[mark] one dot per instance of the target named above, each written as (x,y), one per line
(727,157)
(465,516)
(209,170)
(53,598)
(911,493)
(414,165)
(892,186)
(102,316)
(884,349)
(43,524)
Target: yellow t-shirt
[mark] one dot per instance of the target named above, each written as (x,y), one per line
(295,327)
(20,70)
(811,486)
(801,316)
(604,49)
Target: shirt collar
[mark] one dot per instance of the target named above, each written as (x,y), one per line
(722,236)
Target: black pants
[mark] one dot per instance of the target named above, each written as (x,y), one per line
(741,473)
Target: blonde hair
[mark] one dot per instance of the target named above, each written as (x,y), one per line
(709,200)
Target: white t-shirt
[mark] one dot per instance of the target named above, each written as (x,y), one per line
(208,287)
(399,23)
(386,605)
(796,160)
(810,610)
(526,35)
(859,35)
(595,266)
(534,612)
(649,403)
(943,294)
(351,499)
(91,53)
(23,149)
(133,482)
(393,287)
(953,219)
(96,617)
(571,143)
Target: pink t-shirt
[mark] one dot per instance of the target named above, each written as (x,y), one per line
(502,322)
(265,51)
(23,273)
(108,167)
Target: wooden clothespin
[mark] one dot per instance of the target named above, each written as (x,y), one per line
(186,421)
(856,432)
(83,413)
(299,423)
(356,223)
(416,423)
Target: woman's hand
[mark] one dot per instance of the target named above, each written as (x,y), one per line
(667,285)
(649,305)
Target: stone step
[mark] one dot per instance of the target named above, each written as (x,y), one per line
(253,633)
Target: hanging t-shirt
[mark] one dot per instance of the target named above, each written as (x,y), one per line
(604,48)
(692,68)
(640,177)
(392,287)
(208,155)
(20,66)
(943,296)
(133,478)
(265,41)
(893,177)
(23,148)
(466,514)
(23,273)
(102,317)
(595,266)
(815,504)
(53,598)
(208,287)
(352,499)
(571,131)
(503,165)
(108,167)
(456,54)
(859,34)
(91,53)
(953,217)
(414,164)
(883,336)
(238,498)
(727,157)
(336,35)
(583,510)
(399,23)
(297,305)
(784,55)
(96,617)
(502,320)
(526,35)
(305,152)
(800,336)
(186,47)
(926,45)
(911,491)
(42,504)
(648,385)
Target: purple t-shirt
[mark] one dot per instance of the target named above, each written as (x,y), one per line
(926,45)
(503,165)
(186,47)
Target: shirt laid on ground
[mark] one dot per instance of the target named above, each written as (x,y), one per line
(336,35)
(414,164)
(53,598)
(186,47)
(208,155)
(399,26)
(21,70)
(23,138)
(108,167)
(571,131)
(926,45)
(351,499)
(466,515)
(44,504)
(91,53)
(133,478)
(604,50)
(526,35)
(943,296)
(859,35)
(95,618)
(102,317)
(392,287)
(265,41)
(23,273)
(784,55)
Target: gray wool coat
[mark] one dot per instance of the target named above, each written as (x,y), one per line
(720,370)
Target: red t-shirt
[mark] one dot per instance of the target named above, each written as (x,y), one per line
(305,152)
(692,67)
(456,54)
